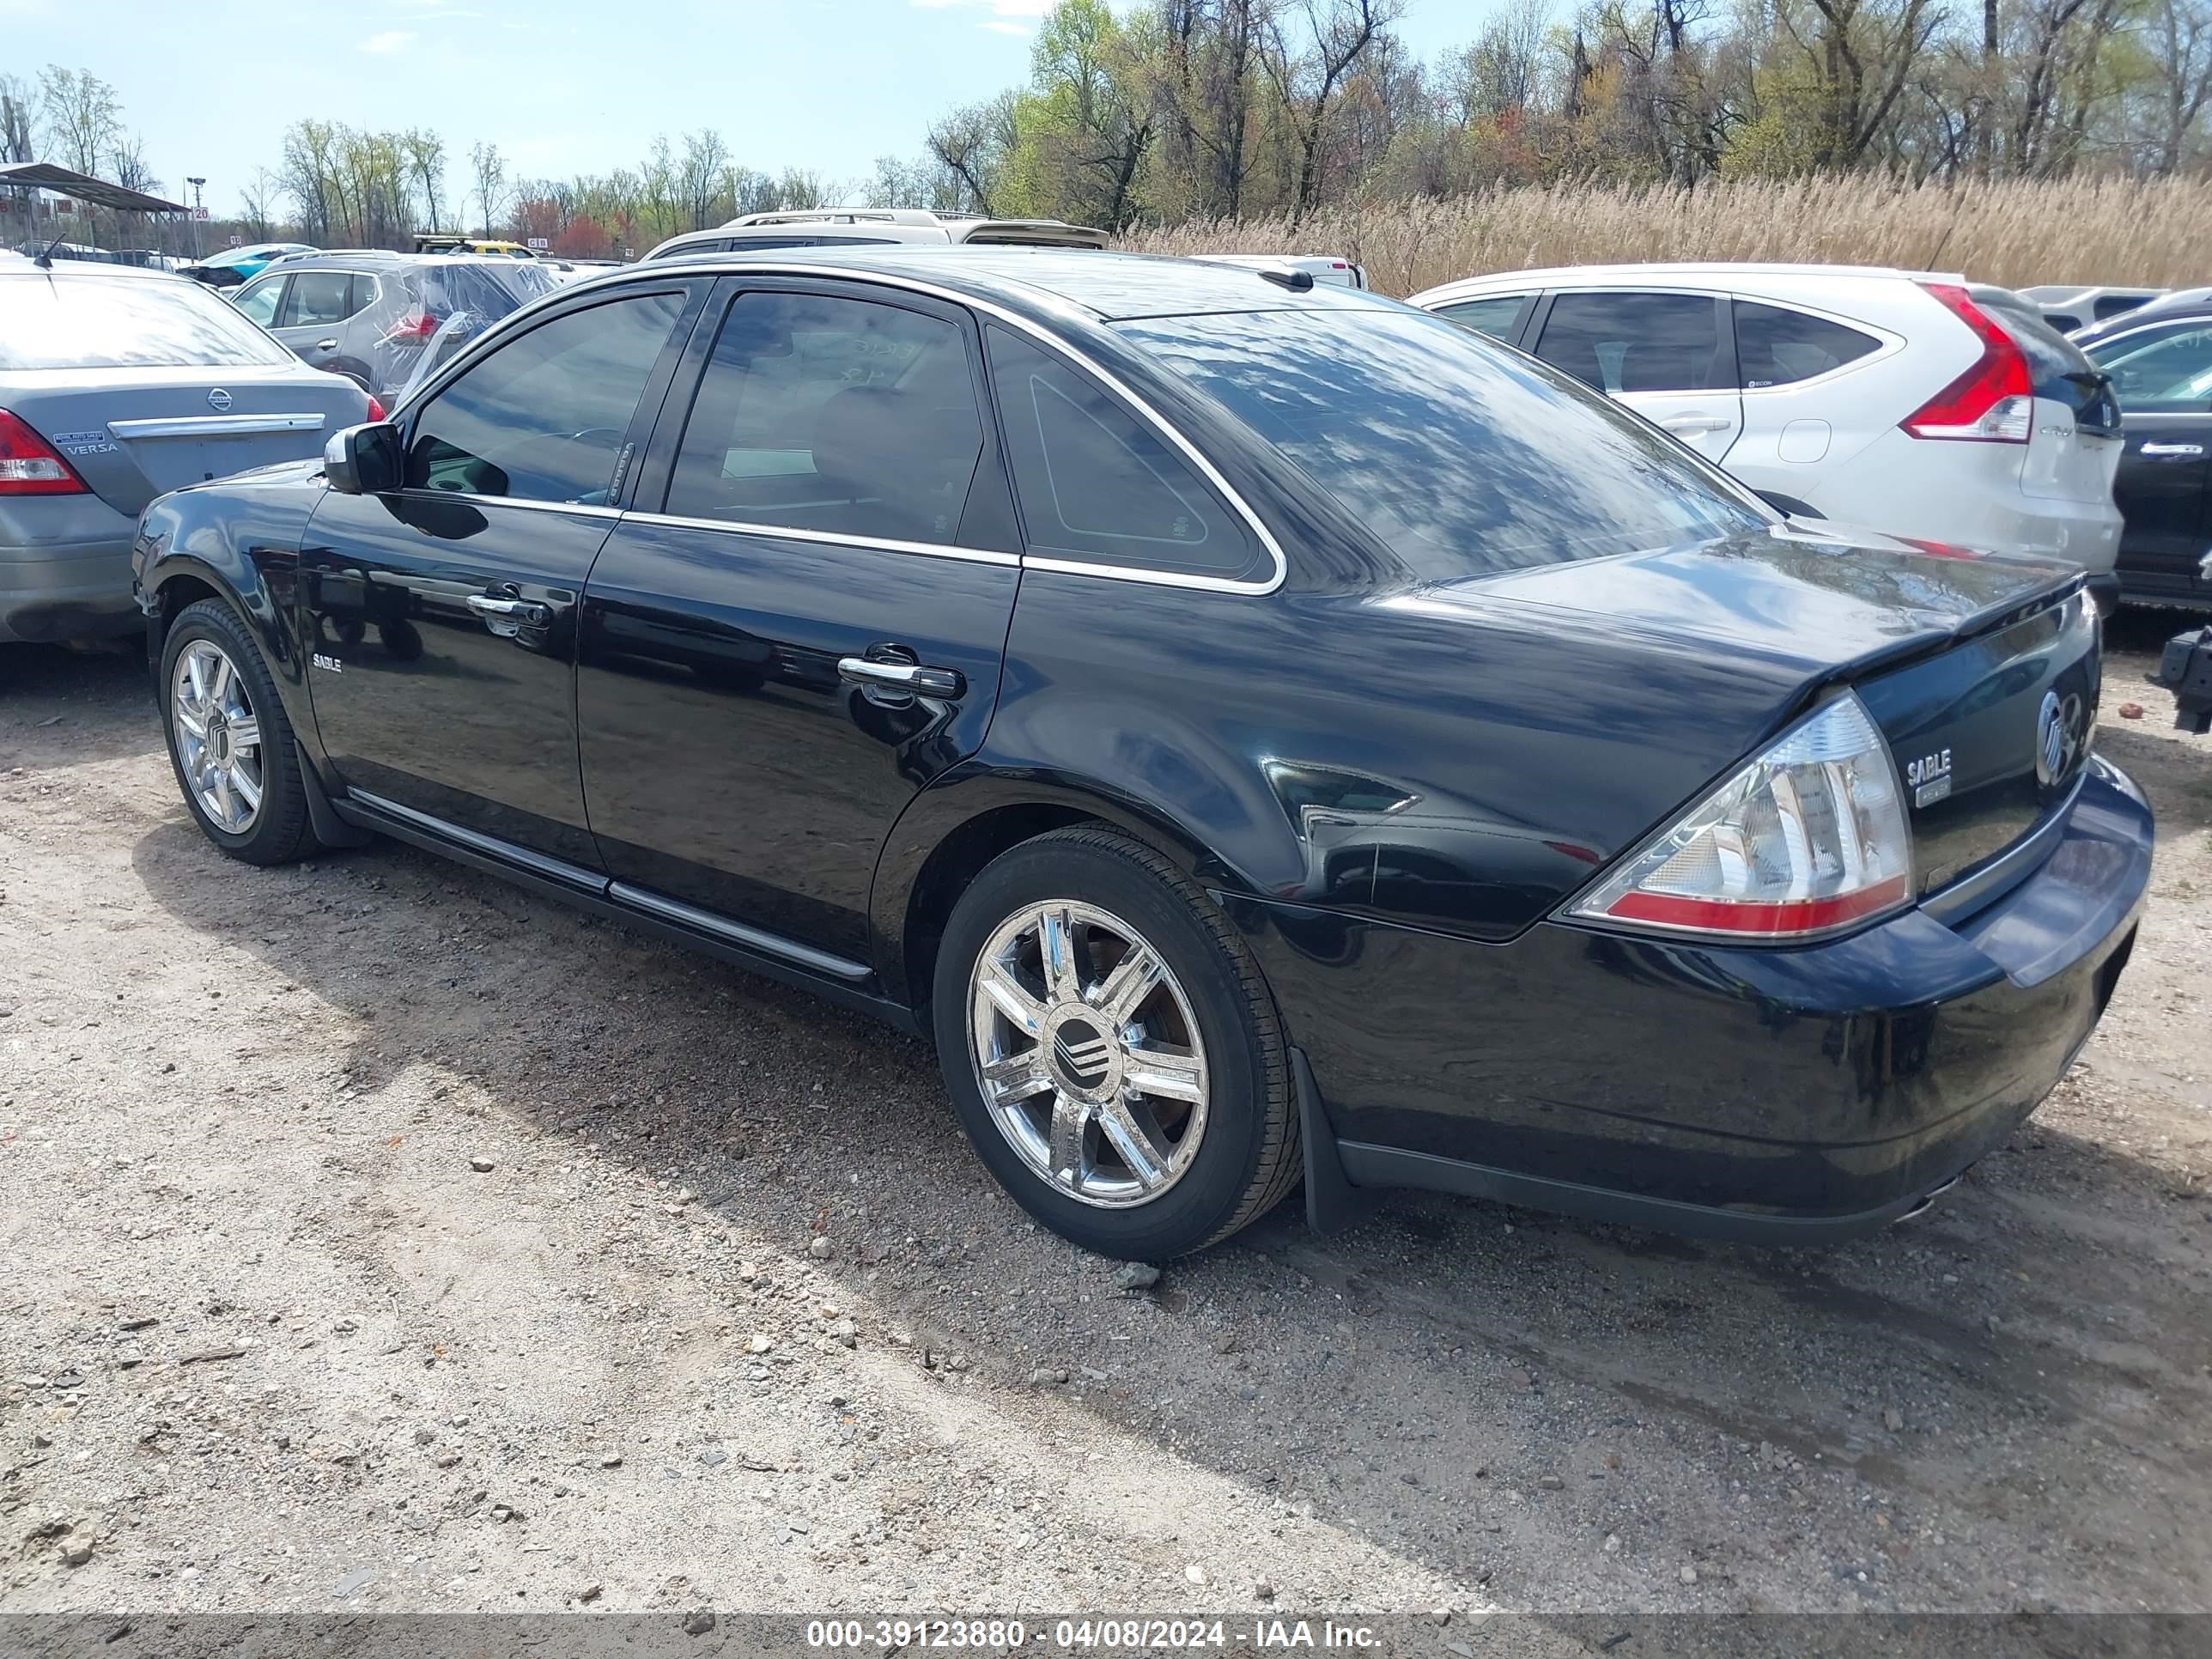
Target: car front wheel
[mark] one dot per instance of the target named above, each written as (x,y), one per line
(229,740)
(1113,1051)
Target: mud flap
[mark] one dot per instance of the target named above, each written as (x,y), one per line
(330,829)
(1332,1203)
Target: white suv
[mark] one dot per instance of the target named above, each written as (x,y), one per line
(1908,402)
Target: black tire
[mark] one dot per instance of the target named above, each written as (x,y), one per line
(1248,1157)
(280,831)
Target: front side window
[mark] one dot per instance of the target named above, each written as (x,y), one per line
(1495,314)
(1463,458)
(55,320)
(1097,484)
(1776,346)
(260,299)
(543,417)
(2166,372)
(317,298)
(843,417)
(1619,342)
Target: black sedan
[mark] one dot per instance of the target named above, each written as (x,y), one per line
(1255,729)
(2160,358)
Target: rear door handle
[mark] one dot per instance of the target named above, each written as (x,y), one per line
(526,611)
(2170,452)
(908,676)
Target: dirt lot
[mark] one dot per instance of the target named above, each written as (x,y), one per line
(377,1235)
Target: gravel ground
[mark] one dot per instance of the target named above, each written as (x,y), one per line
(377,1235)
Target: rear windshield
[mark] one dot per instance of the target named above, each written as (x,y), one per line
(1464,458)
(66,321)
(2057,368)
(489,288)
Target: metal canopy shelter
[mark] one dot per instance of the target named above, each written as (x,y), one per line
(45,175)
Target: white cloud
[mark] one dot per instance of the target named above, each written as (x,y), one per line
(390,40)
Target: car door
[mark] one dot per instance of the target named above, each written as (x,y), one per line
(2162,376)
(807,625)
(1667,355)
(1797,411)
(441,615)
(311,319)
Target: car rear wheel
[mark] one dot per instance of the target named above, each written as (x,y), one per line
(229,741)
(1112,1050)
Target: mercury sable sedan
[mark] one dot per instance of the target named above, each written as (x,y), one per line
(1256,730)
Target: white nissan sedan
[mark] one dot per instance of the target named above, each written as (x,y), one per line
(1912,402)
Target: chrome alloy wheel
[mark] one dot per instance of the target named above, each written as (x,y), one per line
(218,736)
(1087,1054)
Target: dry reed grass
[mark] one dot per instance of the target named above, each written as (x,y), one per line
(2148,232)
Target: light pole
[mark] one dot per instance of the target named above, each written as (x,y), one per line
(197,211)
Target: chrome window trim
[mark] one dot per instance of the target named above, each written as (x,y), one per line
(587,508)
(759,266)
(215,426)
(878,543)
(542,864)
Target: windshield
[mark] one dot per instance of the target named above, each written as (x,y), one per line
(1465,458)
(60,321)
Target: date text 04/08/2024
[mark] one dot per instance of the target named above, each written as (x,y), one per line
(1086,1634)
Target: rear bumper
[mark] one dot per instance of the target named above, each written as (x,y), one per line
(1800,1094)
(69,590)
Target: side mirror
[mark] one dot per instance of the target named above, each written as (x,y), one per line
(363,460)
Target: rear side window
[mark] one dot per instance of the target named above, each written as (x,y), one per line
(1463,458)
(2161,370)
(1097,484)
(1636,341)
(152,322)
(1776,346)
(838,416)
(543,417)
(1497,315)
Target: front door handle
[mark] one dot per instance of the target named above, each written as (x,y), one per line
(2170,452)
(528,612)
(326,346)
(908,676)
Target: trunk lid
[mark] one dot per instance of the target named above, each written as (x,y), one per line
(1982,673)
(134,434)
(2073,449)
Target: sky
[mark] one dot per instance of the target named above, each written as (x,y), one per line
(561,86)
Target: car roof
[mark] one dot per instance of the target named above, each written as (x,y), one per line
(1713,272)
(1039,281)
(23,265)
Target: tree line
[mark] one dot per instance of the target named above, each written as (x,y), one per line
(1166,111)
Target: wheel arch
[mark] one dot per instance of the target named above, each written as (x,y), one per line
(954,829)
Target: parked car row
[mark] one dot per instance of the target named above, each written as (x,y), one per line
(1245,724)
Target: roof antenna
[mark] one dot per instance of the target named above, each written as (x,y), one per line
(43,258)
(1297,281)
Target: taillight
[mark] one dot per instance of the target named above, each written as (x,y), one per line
(375,409)
(415,327)
(1994,401)
(29,465)
(1809,837)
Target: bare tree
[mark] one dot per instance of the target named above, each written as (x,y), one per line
(1338,32)
(260,190)
(699,176)
(2180,39)
(426,167)
(490,169)
(82,114)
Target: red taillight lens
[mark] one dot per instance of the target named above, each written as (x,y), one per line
(1994,401)
(414,328)
(28,464)
(375,410)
